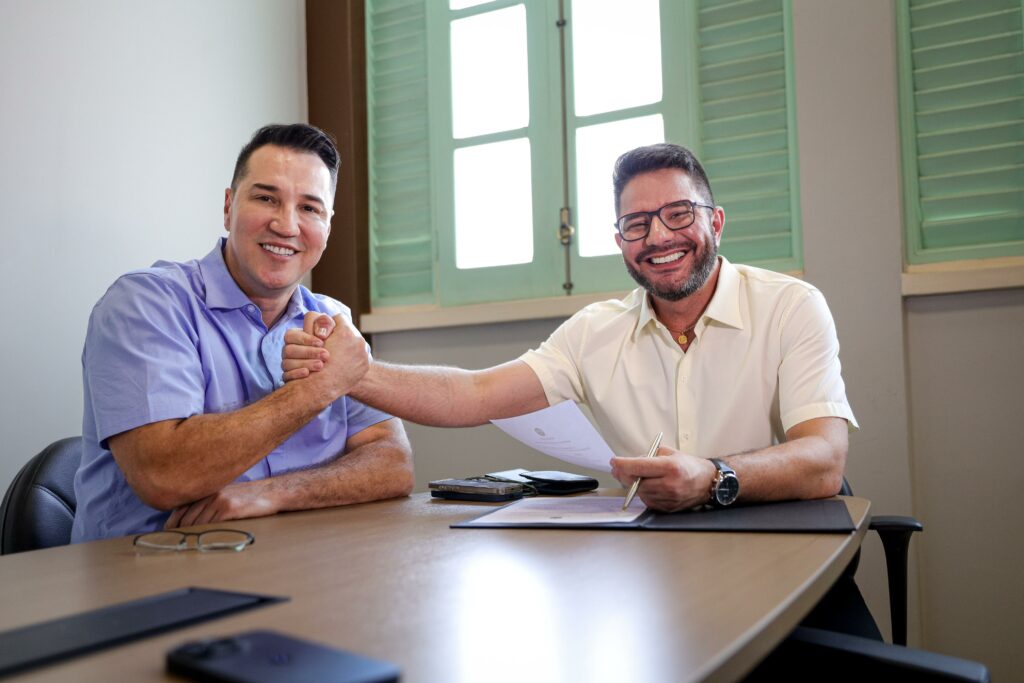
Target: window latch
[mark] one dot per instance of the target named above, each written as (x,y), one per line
(565,230)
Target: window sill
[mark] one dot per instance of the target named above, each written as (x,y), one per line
(921,280)
(402,318)
(963,276)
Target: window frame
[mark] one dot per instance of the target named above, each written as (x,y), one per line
(682,124)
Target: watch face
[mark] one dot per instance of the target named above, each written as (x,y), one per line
(727,489)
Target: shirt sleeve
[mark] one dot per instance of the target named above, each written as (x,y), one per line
(359,415)
(810,378)
(140,360)
(555,363)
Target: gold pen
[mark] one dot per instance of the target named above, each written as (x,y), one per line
(636,484)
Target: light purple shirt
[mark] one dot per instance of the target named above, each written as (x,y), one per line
(181,339)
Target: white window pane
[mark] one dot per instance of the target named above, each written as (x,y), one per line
(493,205)
(489,73)
(616,48)
(597,148)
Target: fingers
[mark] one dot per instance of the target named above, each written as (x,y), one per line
(303,353)
(298,373)
(318,325)
(300,352)
(628,469)
(297,337)
(176,514)
(193,512)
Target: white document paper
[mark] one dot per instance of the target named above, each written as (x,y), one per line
(561,431)
(562,511)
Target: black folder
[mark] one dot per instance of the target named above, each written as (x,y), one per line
(801,516)
(51,641)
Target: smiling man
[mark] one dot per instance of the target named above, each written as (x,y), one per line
(187,419)
(738,366)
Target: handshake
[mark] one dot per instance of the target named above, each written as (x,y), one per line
(319,347)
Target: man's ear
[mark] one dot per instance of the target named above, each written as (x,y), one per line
(618,239)
(718,224)
(227,209)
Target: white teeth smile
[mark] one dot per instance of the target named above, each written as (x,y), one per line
(668,259)
(281,251)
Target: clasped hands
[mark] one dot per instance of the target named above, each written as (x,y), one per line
(308,350)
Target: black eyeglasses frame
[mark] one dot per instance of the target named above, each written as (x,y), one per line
(692,206)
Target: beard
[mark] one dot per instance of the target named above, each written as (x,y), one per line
(704,264)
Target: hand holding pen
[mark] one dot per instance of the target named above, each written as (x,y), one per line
(636,484)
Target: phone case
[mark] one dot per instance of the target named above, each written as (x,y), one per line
(271,657)
(474,486)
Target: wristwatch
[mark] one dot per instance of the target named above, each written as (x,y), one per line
(725,487)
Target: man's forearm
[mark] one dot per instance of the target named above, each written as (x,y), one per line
(377,465)
(451,397)
(374,471)
(175,462)
(433,395)
(804,467)
(809,465)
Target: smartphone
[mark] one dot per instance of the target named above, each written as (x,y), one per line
(473,489)
(271,657)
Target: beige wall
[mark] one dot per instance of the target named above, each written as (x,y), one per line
(850,195)
(897,357)
(966,361)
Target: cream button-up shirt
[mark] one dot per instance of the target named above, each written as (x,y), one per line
(765,358)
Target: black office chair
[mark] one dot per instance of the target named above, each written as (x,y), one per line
(815,654)
(39,506)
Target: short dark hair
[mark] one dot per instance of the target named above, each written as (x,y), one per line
(655,158)
(300,137)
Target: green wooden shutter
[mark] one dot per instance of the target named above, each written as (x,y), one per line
(748,141)
(402,250)
(962,120)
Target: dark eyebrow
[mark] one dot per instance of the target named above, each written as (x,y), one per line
(273,188)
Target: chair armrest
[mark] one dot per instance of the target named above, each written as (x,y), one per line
(881,523)
(895,532)
(854,657)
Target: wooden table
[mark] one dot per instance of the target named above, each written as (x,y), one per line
(392,581)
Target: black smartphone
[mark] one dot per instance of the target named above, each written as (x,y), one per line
(271,657)
(475,489)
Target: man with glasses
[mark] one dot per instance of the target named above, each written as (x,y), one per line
(187,418)
(738,366)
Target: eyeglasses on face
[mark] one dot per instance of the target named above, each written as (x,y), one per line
(674,216)
(205,541)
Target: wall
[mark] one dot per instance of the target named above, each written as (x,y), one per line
(849,151)
(966,359)
(119,124)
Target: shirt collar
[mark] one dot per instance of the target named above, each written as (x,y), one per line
(223,292)
(724,306)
